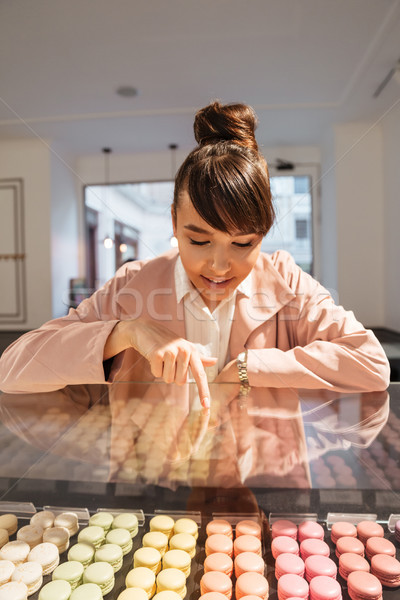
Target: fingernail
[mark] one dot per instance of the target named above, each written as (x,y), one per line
(206,402)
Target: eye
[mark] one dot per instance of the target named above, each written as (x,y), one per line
(197,243)
(247,245)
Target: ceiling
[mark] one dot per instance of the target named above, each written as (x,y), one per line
(304,65)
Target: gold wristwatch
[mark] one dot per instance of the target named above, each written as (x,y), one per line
(241,362)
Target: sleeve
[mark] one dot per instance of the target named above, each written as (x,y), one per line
(64,351)
(330,348)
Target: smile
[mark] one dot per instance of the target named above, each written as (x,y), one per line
(216,282)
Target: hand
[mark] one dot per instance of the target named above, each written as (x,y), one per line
(170,356)
(229,373)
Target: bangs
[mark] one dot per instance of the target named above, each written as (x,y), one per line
(229,196)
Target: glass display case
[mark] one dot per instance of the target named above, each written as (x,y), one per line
(150,448)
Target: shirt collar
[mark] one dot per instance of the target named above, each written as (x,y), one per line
(183,285)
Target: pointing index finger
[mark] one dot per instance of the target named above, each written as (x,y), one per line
(200,378)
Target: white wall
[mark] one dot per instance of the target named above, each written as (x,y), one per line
(360,220)
(391,171)
(65,228)
(30,161)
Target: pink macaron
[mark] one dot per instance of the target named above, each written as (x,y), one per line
(342,529)
(247,543)
(219,526)
(325,588)
(379,545)
(292,586)
(317,565)
(284,527)
(310,529)
(248,562)
(364,586)
(349,544)
(349,562)
(219,542)
(386,569)
(251,584)
(214,581)
(212,596)
(284,544)
(312,546)
(248,527)
(367,529)
(289,564)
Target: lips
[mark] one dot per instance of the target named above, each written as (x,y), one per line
(216,283)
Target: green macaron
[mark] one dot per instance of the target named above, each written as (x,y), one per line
(87,591)
(102,519)
(71,571)
(112,554)
(92,535)
(82,552)
(55,590)
(127,521)
(122,538)
(102,574)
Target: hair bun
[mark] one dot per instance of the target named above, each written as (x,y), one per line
(219,122)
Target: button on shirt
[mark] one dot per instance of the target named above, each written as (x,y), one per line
(210,331)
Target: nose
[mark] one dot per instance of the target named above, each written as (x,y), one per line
(219,263)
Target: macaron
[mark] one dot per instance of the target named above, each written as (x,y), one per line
(9,522)
(102,519)
(292,586)
(15,551)
(43,519)
(218,561)
(4,538)
(310,530)
(349,562)
(69,520)
(55,590)
(378,545)
(215,581)
(325,588)
(162,523)
(148,557)
(248,527)
(142,577)
(364,586)
(87,591)
(177,559)
(159,541)
(71,571)
(386,569)
(289,564)
(58,536)
(397,530)
(349,544)
(122,538)
(102,574)
(30,573)
(112,554)
(174,580)
(214,596)
(186,526)
(247,543)
(219,526)
(367,529)
(82,552)
(314,546)
(342,529)
(127,521)
(251,584)
(92,534)
(7,568)
(47,555)
(248,562)
(134,594)
(316,565)
(182,541)
(218,542)
(284,544)
(14,590)
(284,527)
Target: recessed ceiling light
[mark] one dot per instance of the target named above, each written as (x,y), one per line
(127,91)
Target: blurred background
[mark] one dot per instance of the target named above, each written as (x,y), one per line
(97,101)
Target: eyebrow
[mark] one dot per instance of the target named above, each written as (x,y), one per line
(196,229)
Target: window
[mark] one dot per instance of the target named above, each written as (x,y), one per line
(301,229)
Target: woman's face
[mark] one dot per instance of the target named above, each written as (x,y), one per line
(215,262)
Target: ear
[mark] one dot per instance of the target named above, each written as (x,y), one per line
(173,217)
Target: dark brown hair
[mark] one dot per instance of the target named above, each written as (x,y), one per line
(225,175)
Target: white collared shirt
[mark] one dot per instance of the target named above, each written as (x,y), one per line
(210,331)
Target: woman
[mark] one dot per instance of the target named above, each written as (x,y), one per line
(216,306)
